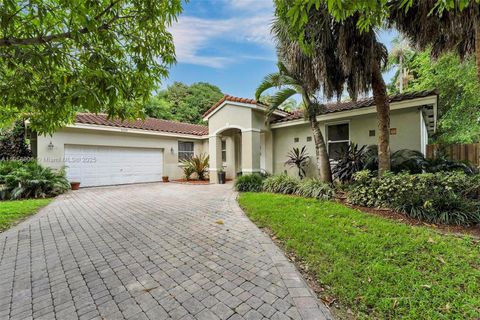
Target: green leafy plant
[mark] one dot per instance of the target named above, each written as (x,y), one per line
(30,180)
(188,170)
(298,158)
(197,164)
(249,183)
(281,184)
(350,161)
(444,197)
(13,144)
(314,188)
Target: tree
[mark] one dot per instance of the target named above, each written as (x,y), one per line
(13,144)
(428,25)
(158,107)
(398,57)
(444,25)
(290,84)
(57,57)
(184,103)
(459,101)
(343,54)
(289,104)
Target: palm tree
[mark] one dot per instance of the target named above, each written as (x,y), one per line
(399,55)
(428,25)
(344,55)
(290,84)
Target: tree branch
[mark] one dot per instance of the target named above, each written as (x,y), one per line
(65,35)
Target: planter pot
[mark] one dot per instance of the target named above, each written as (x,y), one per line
(165,178)
(75,185)
(221,177)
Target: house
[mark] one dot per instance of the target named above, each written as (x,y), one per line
(99,151)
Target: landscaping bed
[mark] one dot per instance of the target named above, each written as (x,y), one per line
(366,266)
(12,212)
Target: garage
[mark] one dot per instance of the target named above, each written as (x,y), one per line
(105,165)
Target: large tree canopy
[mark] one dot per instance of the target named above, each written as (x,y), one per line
(459,101)
(57,57)
(184,103)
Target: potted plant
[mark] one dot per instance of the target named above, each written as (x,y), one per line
(165,178)
(221,176)
(75,185)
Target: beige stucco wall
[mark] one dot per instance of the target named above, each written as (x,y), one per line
(406,121)
(244,150)
(54,158)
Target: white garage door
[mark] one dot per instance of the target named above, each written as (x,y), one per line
(101,166)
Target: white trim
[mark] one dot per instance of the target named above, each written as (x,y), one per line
(229,126)
(251,130)
(242,104)
(251,170)
(328,141)
(135,131)
(430,100)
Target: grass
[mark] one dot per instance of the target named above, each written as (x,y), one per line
(376,267)
(12,212)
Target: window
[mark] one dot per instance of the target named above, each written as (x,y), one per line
(371,133)
(185,150)
(224,151)
(338,140)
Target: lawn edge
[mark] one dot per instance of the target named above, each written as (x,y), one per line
(27,219)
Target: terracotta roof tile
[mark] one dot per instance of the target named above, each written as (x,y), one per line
(232,99)
(350,105)
(151,124)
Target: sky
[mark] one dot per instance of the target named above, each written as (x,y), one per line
(228,43)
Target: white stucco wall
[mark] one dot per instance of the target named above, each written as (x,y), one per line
(55,158)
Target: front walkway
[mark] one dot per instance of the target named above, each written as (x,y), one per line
(152,251)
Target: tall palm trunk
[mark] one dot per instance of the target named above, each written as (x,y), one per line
(323,161)
(477,47)
(383,116)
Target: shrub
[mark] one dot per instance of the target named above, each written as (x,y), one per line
(350,162)
(249,183)
(314,188)
(299,159)
(434,197)
(196,164)
(281,184)
(30,180)
(188,170)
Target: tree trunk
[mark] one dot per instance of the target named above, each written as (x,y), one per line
(477,48)
(383,116)
(323,161)
(401,73)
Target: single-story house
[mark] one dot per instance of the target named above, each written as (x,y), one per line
(99,151)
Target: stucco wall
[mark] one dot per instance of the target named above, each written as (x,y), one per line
(54,158)
(406,121)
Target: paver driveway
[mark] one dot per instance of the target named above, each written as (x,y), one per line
(153,251)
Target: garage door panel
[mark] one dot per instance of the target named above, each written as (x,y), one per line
(100,165)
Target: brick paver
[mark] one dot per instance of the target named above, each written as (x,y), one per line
(152,251)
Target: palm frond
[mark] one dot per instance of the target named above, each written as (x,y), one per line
(278,98)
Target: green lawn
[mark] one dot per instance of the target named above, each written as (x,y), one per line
(14,211)
(379,268)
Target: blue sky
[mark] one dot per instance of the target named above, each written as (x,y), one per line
(227,43)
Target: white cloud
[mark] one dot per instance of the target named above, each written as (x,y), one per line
(192,34)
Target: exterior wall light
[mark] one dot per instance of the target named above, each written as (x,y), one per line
(172,151)
(50,146)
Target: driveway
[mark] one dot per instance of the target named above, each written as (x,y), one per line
(151,251)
